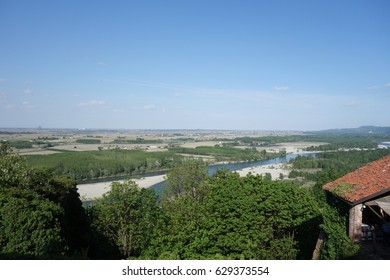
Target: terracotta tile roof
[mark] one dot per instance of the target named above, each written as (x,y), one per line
(364,183)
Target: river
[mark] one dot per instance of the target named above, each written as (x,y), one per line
(241,165)
(158,187)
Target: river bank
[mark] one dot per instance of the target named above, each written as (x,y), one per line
(274,166)
(95,190)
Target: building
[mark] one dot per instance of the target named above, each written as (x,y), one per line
(367,192)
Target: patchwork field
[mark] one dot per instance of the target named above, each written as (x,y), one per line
(92,154)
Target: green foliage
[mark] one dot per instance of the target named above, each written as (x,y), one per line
(46,138)
(335,212)
(338,245)
(126,216)
(342,189)
(63,192)
(268,176)
(40,214)
(95,164)
(184,179)
(136,141)
(29,226)
(334,164)
(268,140)
(224,153)
(177,230)
(13,170)
(199,217)
(28,144)
(88,141)
(335,223)
(335,141)
(347,142)
(239,218)
(20,144)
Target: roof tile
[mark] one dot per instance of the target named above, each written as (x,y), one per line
(364,183)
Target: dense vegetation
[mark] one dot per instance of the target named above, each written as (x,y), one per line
(24,144)
(88,141)
(200,217)
(135,141)
(340,143)
(20,144)
(334,141)
(362,130)
(225,153)
(105,163)
(123,221)
(333,164)
(330,166)
(41,215)
(224,216)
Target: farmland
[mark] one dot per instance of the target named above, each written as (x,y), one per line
(92,154)
(84,155)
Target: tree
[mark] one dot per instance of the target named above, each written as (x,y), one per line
(126,216)
(41,211)
(13,169)
(29,227)
(185,178)
(255,218)
(63,192)
(179,225)
(182,211)
(239,218)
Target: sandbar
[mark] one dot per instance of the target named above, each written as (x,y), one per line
(96,190)
(274,169)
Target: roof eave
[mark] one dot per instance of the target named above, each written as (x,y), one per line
(367,198)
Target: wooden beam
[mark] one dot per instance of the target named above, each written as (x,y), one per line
(375,212)
(320,242)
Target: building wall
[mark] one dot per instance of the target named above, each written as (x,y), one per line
(355,223)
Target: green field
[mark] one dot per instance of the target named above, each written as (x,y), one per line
(81,163)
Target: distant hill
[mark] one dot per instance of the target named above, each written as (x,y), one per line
(362,130)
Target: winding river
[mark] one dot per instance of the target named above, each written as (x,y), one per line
(212,169)
(241,165)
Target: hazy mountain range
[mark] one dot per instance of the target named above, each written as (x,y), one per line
(362,130)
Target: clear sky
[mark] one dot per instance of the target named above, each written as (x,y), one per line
(195,64)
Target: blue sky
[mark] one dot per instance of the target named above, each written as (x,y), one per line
(142,64)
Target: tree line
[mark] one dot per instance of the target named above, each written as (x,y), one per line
(97,164)
(227,153)
(333,165)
